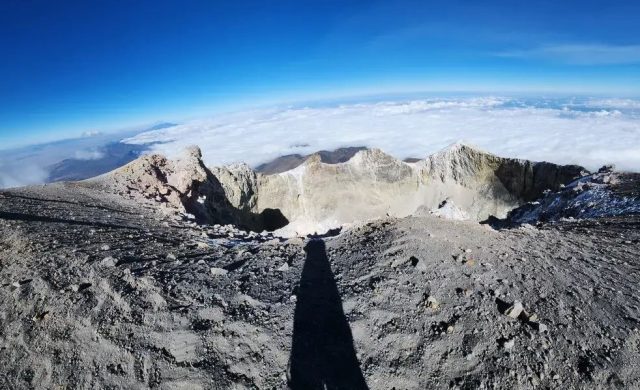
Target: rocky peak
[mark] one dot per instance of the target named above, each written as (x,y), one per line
(458,162)
(153,176)
(318,195)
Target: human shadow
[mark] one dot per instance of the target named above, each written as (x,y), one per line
(322,354)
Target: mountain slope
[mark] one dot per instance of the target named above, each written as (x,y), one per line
(100,291)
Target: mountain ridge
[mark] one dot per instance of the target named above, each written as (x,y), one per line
(318,196)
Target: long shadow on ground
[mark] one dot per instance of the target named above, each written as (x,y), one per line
(322,354)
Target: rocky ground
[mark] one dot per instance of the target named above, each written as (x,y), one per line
(97,291)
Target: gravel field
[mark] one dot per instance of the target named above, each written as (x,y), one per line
(97,291)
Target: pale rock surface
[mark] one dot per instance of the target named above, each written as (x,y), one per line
(460,182)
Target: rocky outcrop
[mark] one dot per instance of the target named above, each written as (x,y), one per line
(185,185)
(317,196)
(602,194)
(522,179)
(176,183)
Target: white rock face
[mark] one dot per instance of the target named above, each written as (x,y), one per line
(475,184)
(315,196)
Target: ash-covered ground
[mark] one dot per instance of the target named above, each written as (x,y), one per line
(101,292)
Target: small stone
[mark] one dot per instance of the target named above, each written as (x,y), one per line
(606,168)
(108,261)
(509,344)
(418,264)
(218,271)
(514,310)
(105,247)
(42,316)
(284,267)
(432,303)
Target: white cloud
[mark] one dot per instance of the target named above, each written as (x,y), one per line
(614,103)
(581,54)
(557,133)
(88,154)
(21,173)
(32,164)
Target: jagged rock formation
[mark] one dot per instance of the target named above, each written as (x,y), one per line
(186,185)
(318,196)
(155,177)
(602,194)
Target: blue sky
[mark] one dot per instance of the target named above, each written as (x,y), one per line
(74,66)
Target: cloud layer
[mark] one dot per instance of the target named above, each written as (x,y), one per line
(32,164)
(581,54)
(590,133)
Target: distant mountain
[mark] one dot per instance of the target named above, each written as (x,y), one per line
(162,125)
(114,155)
(290,161)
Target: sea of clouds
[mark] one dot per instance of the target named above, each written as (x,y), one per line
(586,131)
(589,132)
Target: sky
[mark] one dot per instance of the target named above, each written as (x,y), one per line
(70,67)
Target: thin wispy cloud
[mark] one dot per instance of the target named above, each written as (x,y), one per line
(580,54)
